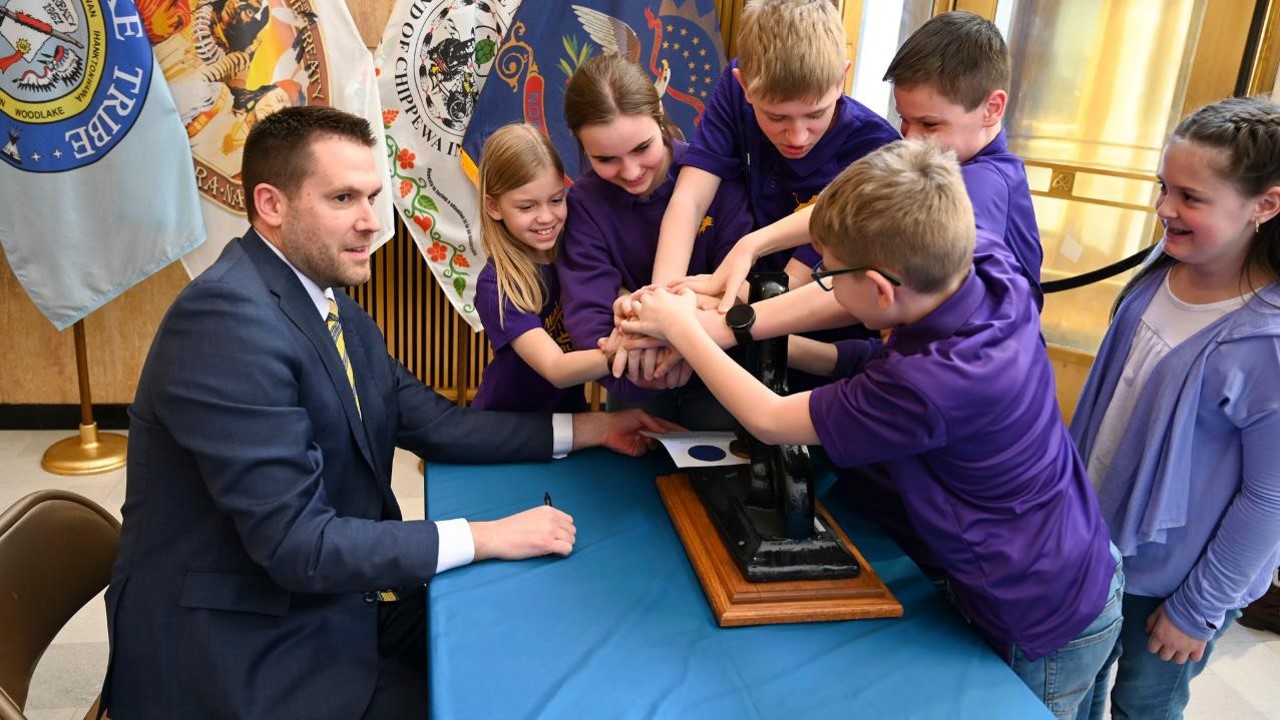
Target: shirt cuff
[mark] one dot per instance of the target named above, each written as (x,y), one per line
(1192,621)
(853,355)
(457,547)
(725,168)
(561,434)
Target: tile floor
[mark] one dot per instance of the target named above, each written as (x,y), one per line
(1240,683)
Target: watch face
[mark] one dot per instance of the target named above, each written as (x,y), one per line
(740,317)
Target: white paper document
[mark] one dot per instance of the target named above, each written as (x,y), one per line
(698,449)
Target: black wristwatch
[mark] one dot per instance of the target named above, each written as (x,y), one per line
(740,318)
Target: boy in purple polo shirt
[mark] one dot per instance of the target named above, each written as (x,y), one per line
(958,408)
(778,119)
(949,83)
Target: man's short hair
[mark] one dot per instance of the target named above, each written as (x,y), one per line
(278,149)
(902,208)
(961,56)
(791,49)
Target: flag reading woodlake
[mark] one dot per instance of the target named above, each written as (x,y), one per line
(231,63)
(434,60)
(96,171)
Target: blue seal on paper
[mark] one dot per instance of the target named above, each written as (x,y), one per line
(707,453)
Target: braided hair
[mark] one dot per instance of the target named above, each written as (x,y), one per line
(1246,132)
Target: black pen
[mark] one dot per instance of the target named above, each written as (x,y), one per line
(546,499)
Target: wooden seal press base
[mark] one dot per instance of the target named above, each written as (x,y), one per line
(735,601)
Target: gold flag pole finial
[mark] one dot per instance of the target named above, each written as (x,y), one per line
(90,452)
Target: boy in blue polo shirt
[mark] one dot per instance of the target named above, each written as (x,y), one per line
(778,118)
(957,407)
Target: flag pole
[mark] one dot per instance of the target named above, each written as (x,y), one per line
(462,358)
(90,452)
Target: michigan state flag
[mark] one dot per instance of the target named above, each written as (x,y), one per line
(95,171)
(434,61)
(230,63)
(677,41)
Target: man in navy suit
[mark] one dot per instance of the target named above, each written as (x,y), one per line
(262,550)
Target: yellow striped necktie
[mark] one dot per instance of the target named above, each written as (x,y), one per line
(335,329)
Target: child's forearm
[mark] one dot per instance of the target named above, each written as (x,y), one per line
(690,199)
(791,231)
(675,240)
(804,310)
(562,369)
(577,367)
(811,356)
(772,419)
(798,274)
(1245,539)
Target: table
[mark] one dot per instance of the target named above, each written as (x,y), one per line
(621,629)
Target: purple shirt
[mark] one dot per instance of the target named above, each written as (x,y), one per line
(508,383)
(610,240)
(959,409)
(997,183)
(730,144)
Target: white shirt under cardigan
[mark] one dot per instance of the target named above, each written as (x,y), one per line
(1167,323)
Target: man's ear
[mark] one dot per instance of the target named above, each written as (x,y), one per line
(886,292)
(993,107)
(491,208)
(270,203)
(738,76)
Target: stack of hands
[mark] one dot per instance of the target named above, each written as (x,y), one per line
(639,345)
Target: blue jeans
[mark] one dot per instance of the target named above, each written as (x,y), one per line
(1064,679)
(1148,688)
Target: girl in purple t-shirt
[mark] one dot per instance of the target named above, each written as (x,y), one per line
(615,212)
(518,295)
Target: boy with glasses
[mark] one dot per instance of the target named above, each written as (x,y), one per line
(957,408)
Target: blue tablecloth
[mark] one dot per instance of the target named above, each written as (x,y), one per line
(621,629)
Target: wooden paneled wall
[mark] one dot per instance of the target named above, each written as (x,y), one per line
(421,327)
(40,362)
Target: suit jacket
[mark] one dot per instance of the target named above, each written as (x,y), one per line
(259,508)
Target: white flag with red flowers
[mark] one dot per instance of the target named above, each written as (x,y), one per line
(433,62)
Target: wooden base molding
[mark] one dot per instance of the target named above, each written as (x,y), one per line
(735,601)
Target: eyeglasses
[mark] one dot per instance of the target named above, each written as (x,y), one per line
(819,275)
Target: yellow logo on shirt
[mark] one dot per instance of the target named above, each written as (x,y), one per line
(554,325)
(802,205)
(707,221)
